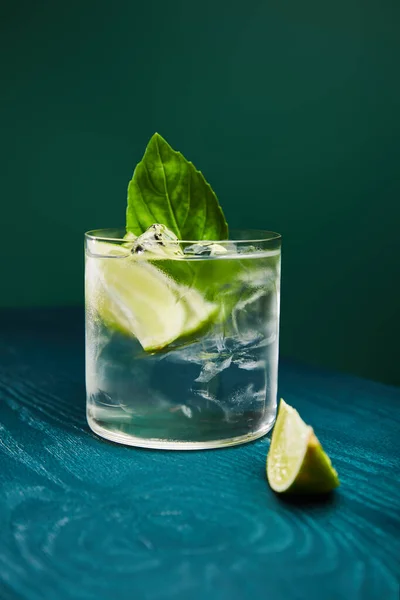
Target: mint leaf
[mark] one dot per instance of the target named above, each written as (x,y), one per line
(168,189)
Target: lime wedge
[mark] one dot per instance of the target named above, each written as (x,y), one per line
(199,312)
(296,462)
(136,298)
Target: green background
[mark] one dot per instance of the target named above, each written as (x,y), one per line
(289,108)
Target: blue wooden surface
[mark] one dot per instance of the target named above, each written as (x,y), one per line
(82,518)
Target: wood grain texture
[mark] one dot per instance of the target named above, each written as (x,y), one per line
(81,518)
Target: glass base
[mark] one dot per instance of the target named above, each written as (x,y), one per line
(162,444)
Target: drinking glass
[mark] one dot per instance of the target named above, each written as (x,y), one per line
(182,342)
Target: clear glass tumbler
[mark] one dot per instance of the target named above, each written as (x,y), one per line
(182,342)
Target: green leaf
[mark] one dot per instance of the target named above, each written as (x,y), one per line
(168,189)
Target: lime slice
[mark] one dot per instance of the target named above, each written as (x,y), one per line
(199,312)
(134,297)
(296,462)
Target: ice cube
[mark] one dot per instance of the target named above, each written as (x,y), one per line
(211,369)
(210,249)
(187,411)
(249,364)
(211,400)
(247,396)
(196,249)
(264,277)
(246,317)
(193,353)
(158,240)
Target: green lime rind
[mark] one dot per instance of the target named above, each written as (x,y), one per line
(317,475)
(296,462)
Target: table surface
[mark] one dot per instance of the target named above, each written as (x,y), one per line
(82,518)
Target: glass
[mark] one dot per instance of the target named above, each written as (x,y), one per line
(209,320)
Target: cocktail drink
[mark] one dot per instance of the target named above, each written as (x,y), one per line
(181,333)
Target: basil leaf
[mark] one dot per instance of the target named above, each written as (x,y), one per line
(168,189)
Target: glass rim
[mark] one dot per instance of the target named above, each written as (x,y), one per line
(260,236)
